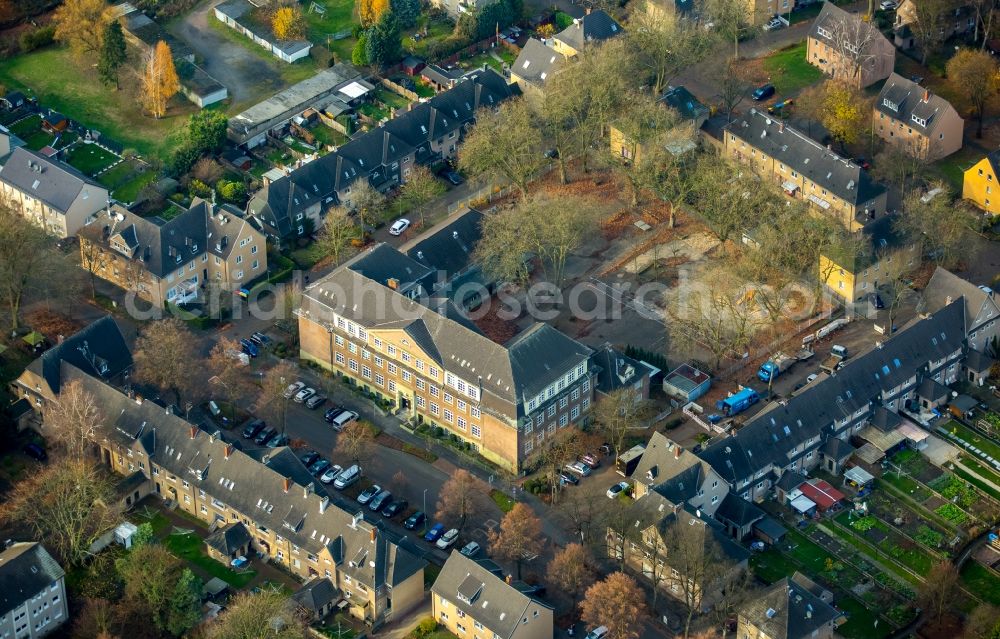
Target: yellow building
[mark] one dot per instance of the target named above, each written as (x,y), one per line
(912,118)
(853,277)
(788,610)
(594,26)
(979,185)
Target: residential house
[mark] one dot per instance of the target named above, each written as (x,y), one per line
(805,169)
(593,26)
(847,47)
(440,78)
(982,308)
(679,475)
(229,542)
(670,8)
(32,592)
(291,519)
(912,118)
(789,436)
(979,181)
(377,321)
(50,193)
(13,100)
(667,544)
(854,278)
(692,113)
(384,156)
(99,348)
(959,21)
(238,15)
(536,62)
(787,610)
(8,142)
(175,261)
(317,597)
(614,370)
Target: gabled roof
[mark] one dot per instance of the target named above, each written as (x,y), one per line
(448,248)
(26,569)
(906,101)
(839,175)
(993,157)
(316,594)
(487,598)
(737,510)
(55,183)
(99,349)
(230,539)
(836,448)
(945,287)
(978,361)
(932,390)
(663,460)
(536,62)
(594,26)
(684,102)
(616,369)
(834,20)
(240,10)
(788,611)
(773,436)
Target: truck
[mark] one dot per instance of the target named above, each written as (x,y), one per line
(737,402)
(836,359)
(780,363)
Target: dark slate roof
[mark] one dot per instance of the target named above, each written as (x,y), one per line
(383,263)
(737,510)
(19,408)
(26,568)
(99,349)
(685,103)
(945,287)
(788,611)
(49,180)
(770,527)
(932,390)
(772,435)
(536,62)
(978,361)
(316,594)
(149,32)
(964,403)
(485,597)
(839,175)
(910,99)
(592,27)
(836,448)
(448,248)
(993,157)
(439,75)
(885,420)
(615,369)
(790,480)
(539,353)
(230,539)
(832,18)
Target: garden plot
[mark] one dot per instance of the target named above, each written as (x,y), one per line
(872,535)
(913,523)
(89,158)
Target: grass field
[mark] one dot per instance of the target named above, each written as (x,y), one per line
(982,581)
(337,18)
(30,130)
(391,99)
(190,547)
(789,70)
(290,73)
(988,446)
(90,159)
(59,83)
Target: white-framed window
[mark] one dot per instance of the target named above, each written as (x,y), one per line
(476,431)
(573,414)
(392,386)
(340,358)
(552,410)
(421,402)
(379,379)
(435,410)
(462,423)
(435,392)
(563,402)
(366,372)
(475,412)
(449,416)
(563,420)
(353,364)
(392,368)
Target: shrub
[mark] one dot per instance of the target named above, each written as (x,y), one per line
(424,628)
(232,192)
(200,189)
(37,38)
(952,513)
(864,524)
(929,537)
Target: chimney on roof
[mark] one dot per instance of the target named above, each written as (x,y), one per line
(677,452)
(193,431)
(588,10)
(927,95)
(228,451)
(507,579)
(323,503)
(373,533)
(288,483)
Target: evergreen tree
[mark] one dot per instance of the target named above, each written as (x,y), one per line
(383,46)
(113,54)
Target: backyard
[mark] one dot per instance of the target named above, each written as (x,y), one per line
(126,179)
(89,159)
(330,24)
(789,71)
(191,547)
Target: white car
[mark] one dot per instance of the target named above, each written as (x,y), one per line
(579,468)
(773,24)
(470,549)
(330,474)
(887,5)
(294,388)
(617,489)
(811,378)
(399,226)
(304,394)
(447,539)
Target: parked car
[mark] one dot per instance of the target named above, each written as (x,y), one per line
(36,452)
(617,489)
(591,460)
(347,477)
(260,339)
(877,302)
(343,419)
(277,440)
(319,467)
(315,402)
(454,177)
(605,448)
(434,533)
(379,500)
(763,92)
(330,473)
(263,436)
(332,412)
(863,163)
(307,458)
(293,388)
(415,521)
(254,427)
(811,377)
(399,226)
(249,348)
(566,477)
(774,24)
(470,549)
(393,508)
(777,107)
(598,633)
(578,467)
(447,539)
(888,5)
(369,493)
(304,394)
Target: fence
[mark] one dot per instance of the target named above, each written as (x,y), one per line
(401,90)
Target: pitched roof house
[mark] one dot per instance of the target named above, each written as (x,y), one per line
(849,48)
(593,26)
(923,124)
(536,62)
(787,610)
(51,193)
(32,592)
(982,308)
(467,597)
(979,181)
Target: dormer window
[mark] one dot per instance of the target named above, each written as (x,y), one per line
(823,32)
(918,120)
(889,104)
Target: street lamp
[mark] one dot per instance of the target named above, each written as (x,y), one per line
(425,509)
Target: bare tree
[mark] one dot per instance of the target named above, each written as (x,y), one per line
(617,602)
(854,41)
(73,420)
(337,232)
(734,593)
(400,483)
(734,86)
(894,281)
(669,174)
(930,25)
(728,197)
(939,589)
(357,441)
(581,509)
(982,622)
(272,402)
(616,413)
(519,536)
(559,452)
(733,20)
(68,504)
(903,170)
(229,372)
(944,229)
(570,571)
(265,613)
(665,45)
(461,497)
(645,124)
(697,563)
(503,145)
(163,355)
(93,257)
(368,202)
(420,188)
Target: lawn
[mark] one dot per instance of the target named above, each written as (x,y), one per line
(891,548)
(982,581)
(771,565)
(90,159)
(502,500)
(191,547)
(860,621)
(59,83)
(966,434)
(907,485)
(329,136)
(433,30)
(337,20)
(290,73)
(477,61)
(789,71)
(391,99)
(126,179)
(30,130)
(374,111)
(980,470)
(129,190)
(952,168)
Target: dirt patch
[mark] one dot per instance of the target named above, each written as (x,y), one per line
(493,326)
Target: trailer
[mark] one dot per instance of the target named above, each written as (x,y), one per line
(738,402)
(831,327)
(629,460)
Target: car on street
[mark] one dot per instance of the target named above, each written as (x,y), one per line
(332,412)
(887,5)
(454,177)
(369,493)
(260,339)
(399,226)
(617,489)
(566,477)
(277,440)
(307,458)
(304,394)
(414,521)
(447,539)
(579,468)
(348,477)
(342,419)
(249,348)
(763,92)
(379,500)
(812,376)
(35,452)
(254,427)
(470,549)
(319,467)
(330,474)
(293,388)
(591,460)
(393,508)
(597,633)
(263,436)
(773,24)
(434,533)
(315,402)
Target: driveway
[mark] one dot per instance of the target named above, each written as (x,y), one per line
(245,74)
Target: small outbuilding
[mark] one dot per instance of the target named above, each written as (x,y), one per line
(686,383)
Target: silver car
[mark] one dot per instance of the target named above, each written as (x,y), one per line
(304,394)
(330,474)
